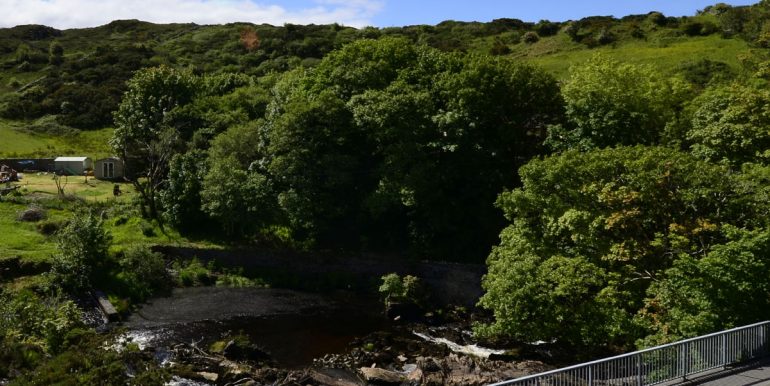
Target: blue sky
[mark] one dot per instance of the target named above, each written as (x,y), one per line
(405,12)
(358,13)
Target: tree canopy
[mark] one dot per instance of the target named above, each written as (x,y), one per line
(609,103)
(601,243)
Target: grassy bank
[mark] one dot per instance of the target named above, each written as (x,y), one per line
(19,142)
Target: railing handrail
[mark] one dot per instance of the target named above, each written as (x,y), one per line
(630,354)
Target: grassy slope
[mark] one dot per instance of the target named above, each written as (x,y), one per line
(557,54)
(126,227)
(16,142)
(22,238)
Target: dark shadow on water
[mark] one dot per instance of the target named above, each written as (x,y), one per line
(293,327)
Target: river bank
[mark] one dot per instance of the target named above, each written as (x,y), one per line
(260,336)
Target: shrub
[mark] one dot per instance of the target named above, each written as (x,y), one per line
(14,83)
(499,47)
(37,321)
(530,37)
(408,289)
(82,247)
(32,214)
(147,228)
(48,228)
(605,36)
(657,18)
(572,30)
(144,271)
(239,281)
(705,71)
(194,274)
(694,28)
(546,28)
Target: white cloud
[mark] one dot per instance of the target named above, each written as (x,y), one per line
(64,14)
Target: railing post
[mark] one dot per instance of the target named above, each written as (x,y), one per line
(683,359)
(639,369)
(724,350)
(590,376)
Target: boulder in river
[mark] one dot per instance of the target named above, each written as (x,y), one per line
(378,376)
(241,349)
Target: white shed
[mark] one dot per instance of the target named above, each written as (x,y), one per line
(72,165)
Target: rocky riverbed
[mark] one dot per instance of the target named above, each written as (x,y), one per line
(219,336)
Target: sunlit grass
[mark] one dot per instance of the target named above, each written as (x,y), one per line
(17,142)
(89,189)
(22,239)
(557,54)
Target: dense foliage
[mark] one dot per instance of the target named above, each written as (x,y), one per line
(610,103)
(633,201)
(598,239)
(82,246)
(381,147)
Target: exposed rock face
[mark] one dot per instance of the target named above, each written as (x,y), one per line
(460,370)
(378,376)
(235,351)
(334,377)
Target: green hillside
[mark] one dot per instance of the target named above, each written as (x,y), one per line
(601,168)
(79,75)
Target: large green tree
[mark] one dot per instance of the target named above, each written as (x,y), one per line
(609,103)
(143,136)
(391,145)
(731,124)
(593,235)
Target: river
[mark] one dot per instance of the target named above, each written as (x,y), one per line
(293,327)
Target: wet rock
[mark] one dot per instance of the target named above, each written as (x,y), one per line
(414,377)
(433,379)
(428,365)
(334,377)
(235,350)
(212,377)
(403,312)
(380,376)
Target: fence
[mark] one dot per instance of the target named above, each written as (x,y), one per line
(661,364)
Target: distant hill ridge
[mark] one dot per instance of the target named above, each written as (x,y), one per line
(78,75)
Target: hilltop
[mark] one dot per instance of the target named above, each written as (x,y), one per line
(56,82)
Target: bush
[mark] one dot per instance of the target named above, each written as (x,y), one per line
(48,228)
(50,125)
(694,28)
(657,18)
(408,289)
(147,228)
(546,28)
(605,36)
(572,30)
(704,72)
(82,247)
(194,274)
(37,321)
(32,214)
(14,83)
(143,270)
(499,47)
(530,37)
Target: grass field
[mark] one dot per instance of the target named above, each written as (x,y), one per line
(121,218)
(16,142)
(18,238)
(43,184)
(557,54)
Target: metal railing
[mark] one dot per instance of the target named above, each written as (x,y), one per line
(661,364)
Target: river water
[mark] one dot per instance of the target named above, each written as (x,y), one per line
(293,327)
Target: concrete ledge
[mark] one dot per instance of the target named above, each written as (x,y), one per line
(108,310)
